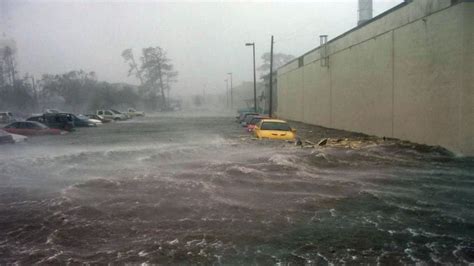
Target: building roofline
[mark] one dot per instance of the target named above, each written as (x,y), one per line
(379,16)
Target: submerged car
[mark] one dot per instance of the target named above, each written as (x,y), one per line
(274,129)
(254,121)
(243,116)
(248,119)
(31,128)
(63,121)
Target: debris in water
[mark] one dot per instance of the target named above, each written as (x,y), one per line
(174,242)
(323,142)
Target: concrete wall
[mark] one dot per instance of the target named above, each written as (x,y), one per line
(467,94)
(408,74)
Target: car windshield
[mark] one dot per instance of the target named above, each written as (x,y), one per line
(246,115)
(279,126)
(255,120)
(115,111)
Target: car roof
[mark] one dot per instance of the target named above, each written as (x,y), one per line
(274,120)
(54,114)
(28,122)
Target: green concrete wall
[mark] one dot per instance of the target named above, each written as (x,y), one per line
(407,75)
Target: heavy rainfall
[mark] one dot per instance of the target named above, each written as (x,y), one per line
(241,133)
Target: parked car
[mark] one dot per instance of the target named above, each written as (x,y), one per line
(52,111)
(108,114)
(120,113)
(133,113)
(5,137)
(244,115)
(254,121)
(274,129)
(98,117)
(30,128)
(6,117)
(247,120)
(95,121)
(63,121)
(82,121)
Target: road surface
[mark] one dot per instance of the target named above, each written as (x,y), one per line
(194,189)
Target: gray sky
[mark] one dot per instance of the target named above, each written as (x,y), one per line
(205,40)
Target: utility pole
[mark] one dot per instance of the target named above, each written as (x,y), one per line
(231,92)
(254,81)
(227,92)
(270,108)
(254,78)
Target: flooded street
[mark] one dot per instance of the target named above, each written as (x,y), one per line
(189,189)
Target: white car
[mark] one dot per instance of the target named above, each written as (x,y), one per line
(108,114)
(133,113)
(6,117)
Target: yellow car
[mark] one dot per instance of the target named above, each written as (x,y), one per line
(274,129)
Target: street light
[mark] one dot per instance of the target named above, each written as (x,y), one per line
(254,78)
(231,92)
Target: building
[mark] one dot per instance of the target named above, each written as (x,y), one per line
(407,73)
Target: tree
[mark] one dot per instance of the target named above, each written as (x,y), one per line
(7,66)
(279,59)
(73,86)
(158,72)
(127,54)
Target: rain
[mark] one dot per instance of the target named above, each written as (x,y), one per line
(133,132)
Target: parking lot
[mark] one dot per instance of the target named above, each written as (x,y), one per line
(187,188)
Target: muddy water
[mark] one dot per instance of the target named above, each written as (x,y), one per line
(181,189)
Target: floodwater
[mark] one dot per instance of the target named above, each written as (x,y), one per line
(190,189)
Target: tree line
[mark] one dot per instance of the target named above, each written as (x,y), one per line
(81,91)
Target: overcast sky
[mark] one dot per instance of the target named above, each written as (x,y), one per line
(205,40)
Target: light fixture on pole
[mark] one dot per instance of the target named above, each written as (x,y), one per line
(254,77)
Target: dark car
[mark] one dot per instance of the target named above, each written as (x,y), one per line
(98,117)
(82,121)
(248,119)
(62,121)
(244,115)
